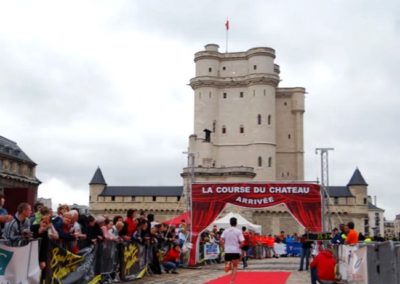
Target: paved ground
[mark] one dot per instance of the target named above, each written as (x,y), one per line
(209,272)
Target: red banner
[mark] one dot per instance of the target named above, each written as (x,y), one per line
(208,200)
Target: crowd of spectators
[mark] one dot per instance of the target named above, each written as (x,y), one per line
(75,232)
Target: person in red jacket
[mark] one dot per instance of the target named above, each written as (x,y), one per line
(171,259)
(323,268)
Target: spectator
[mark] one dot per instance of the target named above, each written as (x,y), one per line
(36,216)
(131,223)
(58,220)
(305,250)
(45,231)
(4,216)
(246,245)
(94,233)
(342,233)
(352,235)
(171,259)
(141,235)
(270,242)
(106,229)
(18,229)
(323,268)
(336,238)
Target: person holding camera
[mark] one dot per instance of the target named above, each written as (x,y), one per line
(18,229)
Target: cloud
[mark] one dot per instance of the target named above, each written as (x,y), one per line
(95,83)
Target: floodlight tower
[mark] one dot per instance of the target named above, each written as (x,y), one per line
(326,222)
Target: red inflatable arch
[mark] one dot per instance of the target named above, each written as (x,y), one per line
(303,200)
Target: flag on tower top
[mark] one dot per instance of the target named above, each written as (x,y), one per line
(227,24)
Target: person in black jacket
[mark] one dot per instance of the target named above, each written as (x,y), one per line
(46,232)
(93,232)
(305,250)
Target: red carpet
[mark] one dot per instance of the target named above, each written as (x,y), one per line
(254,278)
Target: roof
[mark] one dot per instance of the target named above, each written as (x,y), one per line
(339,191)
(373,207)
(357,179)
(10,149)
(142,191)
(98,178)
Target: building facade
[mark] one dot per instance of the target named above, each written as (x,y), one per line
(164,202)
(245,126)
(246,129)
(18,181)
(396,224)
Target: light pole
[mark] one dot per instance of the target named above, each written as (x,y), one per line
(189,183)
(324,186)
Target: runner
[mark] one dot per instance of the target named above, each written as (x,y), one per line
(232,239)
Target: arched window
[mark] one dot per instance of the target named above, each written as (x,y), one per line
(269,119)
(241,130)
(270,162)
(223,129)
(259,119)
(259,161)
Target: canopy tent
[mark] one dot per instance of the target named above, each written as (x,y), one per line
(177,220)
(241,221)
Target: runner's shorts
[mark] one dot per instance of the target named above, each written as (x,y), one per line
(232,256)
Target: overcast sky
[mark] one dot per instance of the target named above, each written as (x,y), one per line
(104,83)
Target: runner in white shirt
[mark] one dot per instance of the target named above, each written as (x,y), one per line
(232,239)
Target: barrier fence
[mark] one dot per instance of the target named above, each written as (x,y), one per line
(370,263)
(94,264)
(364,263)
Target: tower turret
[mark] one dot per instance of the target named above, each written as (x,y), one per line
(96,187)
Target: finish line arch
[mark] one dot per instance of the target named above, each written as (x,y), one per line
(303,200)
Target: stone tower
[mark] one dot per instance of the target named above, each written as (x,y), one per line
(245,127)
(96,187)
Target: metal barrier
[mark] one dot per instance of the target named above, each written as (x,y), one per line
(370,263)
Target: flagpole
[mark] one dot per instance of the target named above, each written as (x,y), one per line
(226,51)
(227,31)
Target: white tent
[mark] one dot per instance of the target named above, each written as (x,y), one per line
(224,223)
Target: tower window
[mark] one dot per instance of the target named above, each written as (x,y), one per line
(209,95)
(289,136)
(254,67)
(259,161)
(265,92)
(285,103)
(269,119)
(178,198)
(241,94)
(223,68)
(154,198)
(214,125)
(210,69)
(132,198)
(113,198)
(223,129)
(336,200)
(224,95)
(259,119)
(241,129)
(269,162)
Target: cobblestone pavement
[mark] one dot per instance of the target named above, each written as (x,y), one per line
(209,272)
